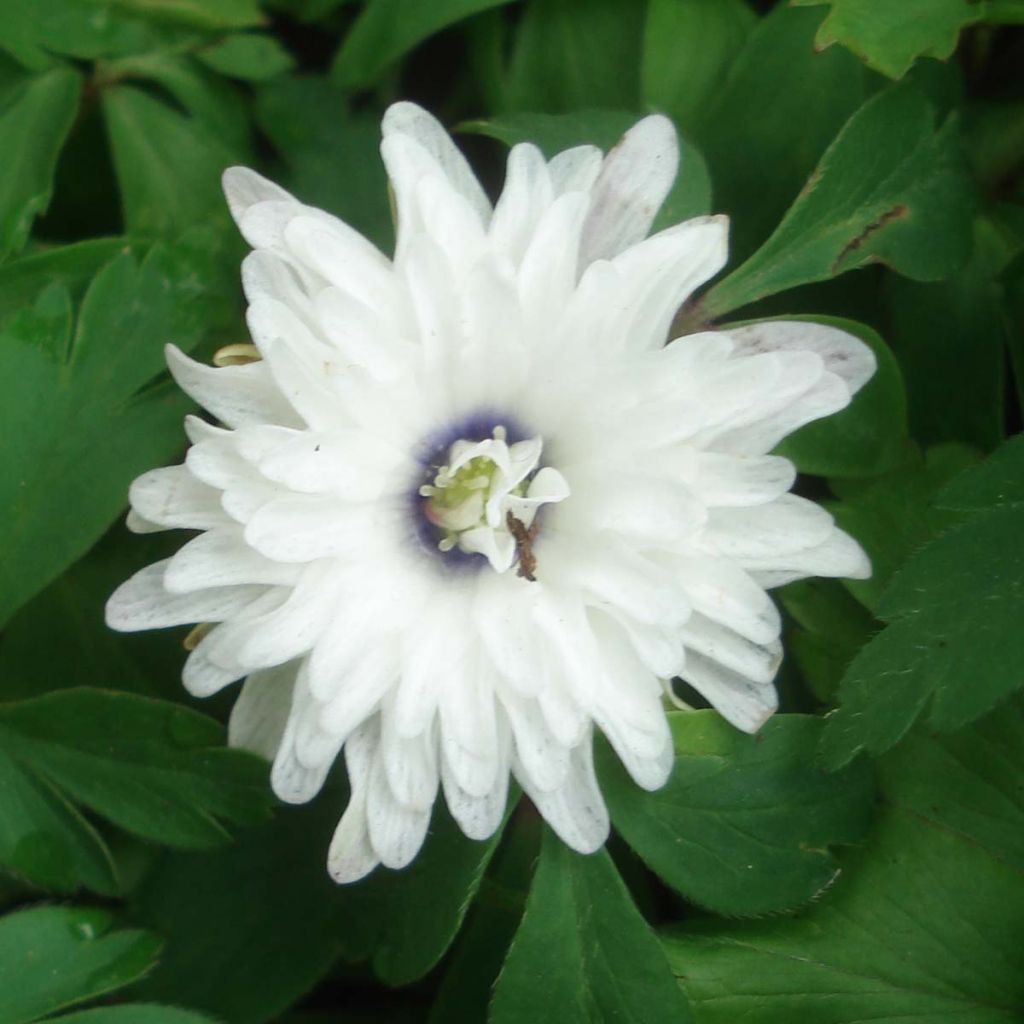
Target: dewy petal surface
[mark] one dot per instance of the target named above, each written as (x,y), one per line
(471,504)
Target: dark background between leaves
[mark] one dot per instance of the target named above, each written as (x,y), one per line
(861,858)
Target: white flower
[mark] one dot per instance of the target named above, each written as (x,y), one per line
(468,505)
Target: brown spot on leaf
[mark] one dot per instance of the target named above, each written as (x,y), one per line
(898,212)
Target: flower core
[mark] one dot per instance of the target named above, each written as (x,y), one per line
(485,498)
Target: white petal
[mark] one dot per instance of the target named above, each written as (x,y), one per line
(174,498)
(547,274)
(359,691)
(719,644)
(266,275)
(351,856)
(786,525)
(259,715)
(576,810)
(201,677)
(452,222)
(350,634)
(542,757)
(362,336)
(843,354)
(648,771)
(343,257)
(137,524)
(509,639)
(616,576)
(304,527)
(575,170)
(658,275)
(526,195)
(564,715)
(349,463)
(739,481)
(659,648)
(430,651)
(410,763)
(634,181)
(142,602)
(236,395)
(294,780)
(764,431)
(213,457)
(479,816)
(221,558)
(415,123)
(741,701)
(396,831)
(293,627)
(727,595)
(838,555)
(469,738)
(244,188)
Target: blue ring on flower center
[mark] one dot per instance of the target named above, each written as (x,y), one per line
(432,451)
(432,454)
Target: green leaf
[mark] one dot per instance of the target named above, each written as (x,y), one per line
(479,952)
(995,483)
(243,949)
(1014,297)
(168,164)
(688,47)
(583,954)
(573,54)
(891,188)
(34,122)
(331,155)
(78,429)
(251,57)
(924,925)
(893,516)
(744,823)
(802,98)
(215,108)
(951,338)
(136,1013)
(552,133)
(155,768)
(90,653)
(307,11)
(870,435)
(45,840)
(204,14)
(890,37)
(406,922)
(250,927)
(72,266)
(388,29)
(34,32)
(826,627)
(953,647)
(52,957)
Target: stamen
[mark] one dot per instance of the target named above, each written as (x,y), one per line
(191,641)
(238,354)
(471,506)
(675,700)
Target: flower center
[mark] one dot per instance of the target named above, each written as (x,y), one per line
(485,499)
